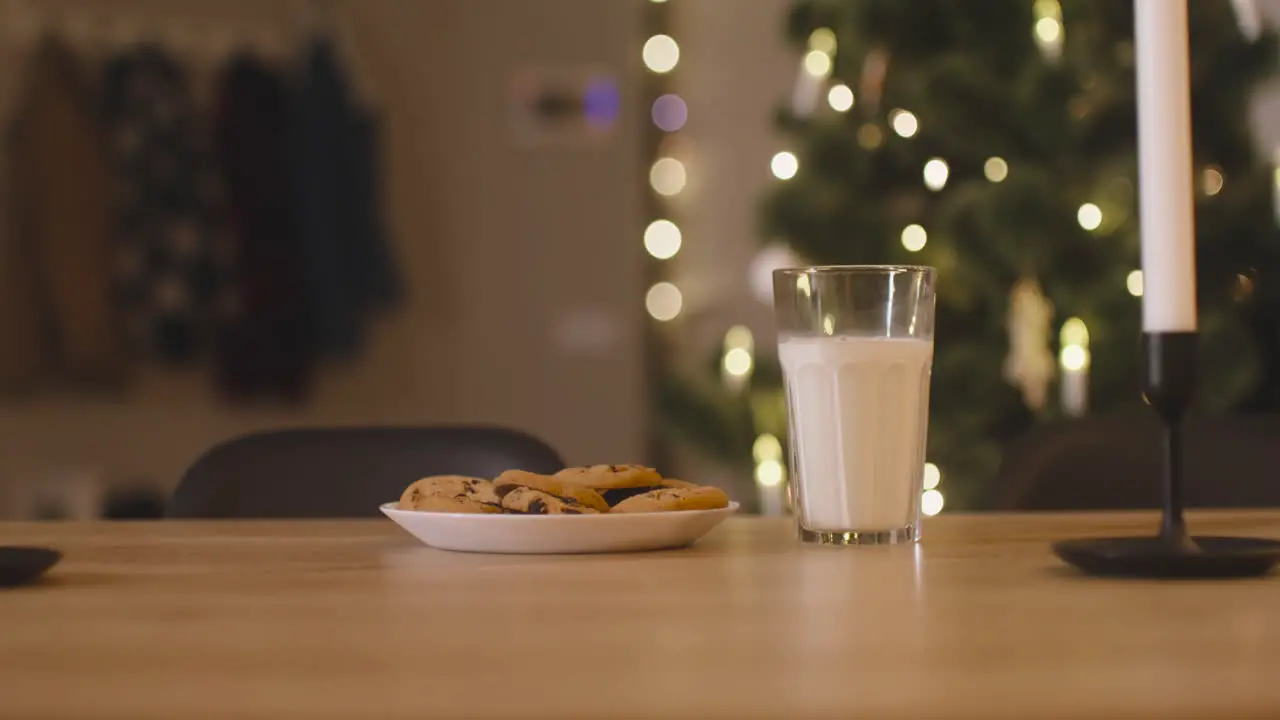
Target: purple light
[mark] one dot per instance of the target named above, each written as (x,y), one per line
(670,113)
(601,102)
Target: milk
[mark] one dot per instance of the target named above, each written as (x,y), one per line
(858,408)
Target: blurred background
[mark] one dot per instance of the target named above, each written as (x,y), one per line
(221,216)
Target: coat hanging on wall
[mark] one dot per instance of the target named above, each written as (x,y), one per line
(248,238)
(349,270)
(168,275)
(265,345)
(57,317)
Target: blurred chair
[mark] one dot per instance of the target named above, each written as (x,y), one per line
(1114,463)
(343,472)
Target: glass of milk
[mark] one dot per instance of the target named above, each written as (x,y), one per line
(856,347)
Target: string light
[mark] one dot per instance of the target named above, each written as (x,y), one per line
(664,302)
(823,40)
(1048,31)
(738,362)
(668,176)
(1133,283)
(740,336)
(931,502)
(870,137)
(1074,332)
(1213,180)
(935,174)
(1047,28)
(904,123)
(670,112)
(766,447)
(662,239)
(932,476)
(914,238)
(770,473)
(1089,216)
(840,98)
(767,451)
(1074,338)
(784,165)
(817,63)
(1074,357)
(661,54)
(996,169)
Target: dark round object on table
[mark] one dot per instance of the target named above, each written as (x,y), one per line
(1156,557)
(23,565)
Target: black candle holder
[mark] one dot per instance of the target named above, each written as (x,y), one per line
(1169,385)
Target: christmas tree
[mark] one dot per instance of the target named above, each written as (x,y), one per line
(996,141)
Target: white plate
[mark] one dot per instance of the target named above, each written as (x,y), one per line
(551,534)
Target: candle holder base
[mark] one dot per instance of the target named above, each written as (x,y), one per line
(1172,553)
(1158,557)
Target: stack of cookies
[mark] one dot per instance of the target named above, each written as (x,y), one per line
(589,490)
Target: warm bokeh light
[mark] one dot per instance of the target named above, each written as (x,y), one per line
(740,336)
(823,40)
(737,362)
(784,165)
(817,63)
(904,123)
(770,473)
(931,502)
(932,476)
(936,172)
(766,447)
(1074,332)
(996,169)
(869,136)
(1089,216)
(1213,180)
(840,98)
(914,238)
(667,176)
(1048,30)
(664,301)
(661,53)
(1074,357)
(1133,283)
(662,239)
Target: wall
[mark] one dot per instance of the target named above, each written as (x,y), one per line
(523,268)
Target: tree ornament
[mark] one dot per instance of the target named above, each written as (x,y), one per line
(1029,366)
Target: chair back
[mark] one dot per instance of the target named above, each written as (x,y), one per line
(343,472)
(1114,462)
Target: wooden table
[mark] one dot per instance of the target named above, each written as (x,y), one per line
(357,620)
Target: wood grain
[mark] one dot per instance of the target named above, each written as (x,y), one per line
(357,620)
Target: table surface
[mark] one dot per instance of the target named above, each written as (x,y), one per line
(357,619)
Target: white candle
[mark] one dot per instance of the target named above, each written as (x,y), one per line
(1164,151)
(773,500)
(1075,391)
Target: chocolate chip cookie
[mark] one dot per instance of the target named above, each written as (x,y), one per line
(527,501)
(569,492)
(453,494)
(668,499)
(619,482)
(608,477)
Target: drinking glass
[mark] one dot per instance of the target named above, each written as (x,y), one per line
(856,347)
